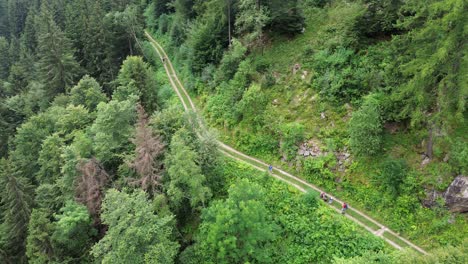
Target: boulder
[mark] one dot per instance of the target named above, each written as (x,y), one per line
(456,195)
(425,161)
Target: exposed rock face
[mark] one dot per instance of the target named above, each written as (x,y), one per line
(310,148)
(456,196)
(431,198)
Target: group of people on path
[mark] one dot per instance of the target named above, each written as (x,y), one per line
(323,195)
(329,200)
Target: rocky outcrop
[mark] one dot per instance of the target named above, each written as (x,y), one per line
(456,196)
(344,159)
(310,148)
(431,197)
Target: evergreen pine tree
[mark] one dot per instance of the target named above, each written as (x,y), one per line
(16,203)
(57,67)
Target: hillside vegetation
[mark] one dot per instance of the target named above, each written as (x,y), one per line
(99,163)
(365,98)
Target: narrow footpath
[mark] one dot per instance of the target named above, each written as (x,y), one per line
(353,214)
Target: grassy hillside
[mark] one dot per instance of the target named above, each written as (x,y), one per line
(267,110)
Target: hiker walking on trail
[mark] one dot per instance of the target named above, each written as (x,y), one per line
(344,207)
(330,201)
(270,168)
(164,60)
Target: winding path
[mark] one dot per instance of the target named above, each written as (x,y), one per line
(355,215)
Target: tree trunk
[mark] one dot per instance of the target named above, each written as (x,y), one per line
(430,142)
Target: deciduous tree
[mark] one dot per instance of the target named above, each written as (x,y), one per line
(136,234)
(237,230)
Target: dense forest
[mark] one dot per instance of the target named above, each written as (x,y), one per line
(100,163)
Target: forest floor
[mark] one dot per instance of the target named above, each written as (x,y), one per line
(353,214)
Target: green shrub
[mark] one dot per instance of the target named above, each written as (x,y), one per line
(459,156)
(291,135)
(392,175)
(365,128)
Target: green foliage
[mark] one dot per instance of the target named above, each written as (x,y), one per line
(154,11)
(74,119)
(49,196)
(444,255)
(220,105)
(310,232)
(168,121)
(379,18)
(137,75)
(291,135)
(4,58)
(459,156)
(365,127)
(339,75)
(319,168)
(39,243)
(112,129)
(135,234)
(251,19)
(435,68)
(207,38)
(230,62)
(186,181)
(57,66)
(50,159)
(28,141)
(237,230)
(87,93)
(252,105)
(16,202)
(73,233)
(392,176)
(342,31)
(286,16)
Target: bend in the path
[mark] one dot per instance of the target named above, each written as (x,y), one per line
(227,150)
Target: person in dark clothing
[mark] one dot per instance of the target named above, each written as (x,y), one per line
(344,207)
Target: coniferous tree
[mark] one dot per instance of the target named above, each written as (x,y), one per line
(135,73)
(436,45)
(88,93)
(113,129)
(186,182)
(17,12)
(39,243)
(4,59)
(50,159)
(90,188)
(286,16)
(29,34)
(57,67)
(4,29)
(149,148)
(16,202)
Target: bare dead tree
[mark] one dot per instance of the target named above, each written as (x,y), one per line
(90,188)
(148,148)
